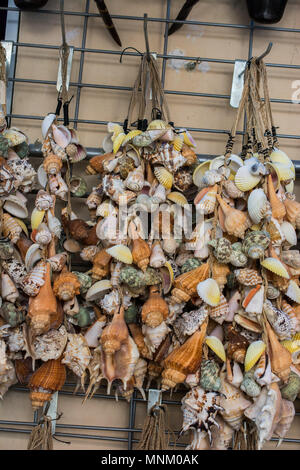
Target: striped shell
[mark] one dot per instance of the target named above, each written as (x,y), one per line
(279,320)
(219,313)
(248,277)
(11,228)
(205,201)
(35,279)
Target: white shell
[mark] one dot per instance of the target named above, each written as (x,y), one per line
(47,122)
(245,180)
(256,303)
(15,206)
(93,333)
(107,143)
(289,233)
(42,176)
(256,205)
(33,255)
(98,289)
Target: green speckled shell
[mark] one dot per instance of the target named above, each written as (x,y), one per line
(85,281)
(131,313)
(6,249)
(231,281)
(84,317)
(22,150)
(133,277)
(238,259)
(292,388)
(12,314)
(210,380)
(255,243)
(190,264)
(152,277)
(3,146)
(222,249)
(249,386)
(78,186)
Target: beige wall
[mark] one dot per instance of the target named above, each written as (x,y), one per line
(108,105)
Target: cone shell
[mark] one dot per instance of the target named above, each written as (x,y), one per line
(209,291)
(275,266)
(216,346)
(121,253)
(51,376)
(245,180)
(164,177)
(254,352)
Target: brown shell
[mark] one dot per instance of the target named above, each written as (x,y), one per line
(185,285)
(136,332)
(183,360)
(66,286)
(141,253)
(114,334)
(91,238)
(189,155)
(281,358)
(235,221)
(292,211)
(24,371)
(42,309)
(237,345)
(96,163)
(50,377)
(100,265)
(278,207)
(155,310)
(52,164)
(78,229)
(220,272)
(23,244)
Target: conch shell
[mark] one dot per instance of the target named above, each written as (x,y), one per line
(66,286)
(49,378)
(281,358)
(278,207)
(234,404)
(155,309)
(235,221)
(184,360)
(185,285)
(141,253)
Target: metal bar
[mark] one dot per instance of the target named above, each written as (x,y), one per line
(11,34)
(163,73)
(83,43)
(132,409)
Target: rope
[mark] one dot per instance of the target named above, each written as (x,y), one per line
(154,436)
(64,55)
(3,80)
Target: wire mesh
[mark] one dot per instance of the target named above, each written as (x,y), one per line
(12,33)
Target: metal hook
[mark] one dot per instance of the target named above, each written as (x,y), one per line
(146,36)
(259,58)
(129,47)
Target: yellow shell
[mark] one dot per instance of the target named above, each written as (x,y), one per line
(209,291)
(293,291)
(170,269)
(285,172)
(275,266)
(216,346)
(278,156)
(178,142)
(188,140)
(157,124)
(121,253)
(199,172)
(118,142)
(116,129)
(296,337)
(130,136)
(164,177)
(254,351)
(244,179)
(36,218)
(178,198)
(23,226)
(291,345)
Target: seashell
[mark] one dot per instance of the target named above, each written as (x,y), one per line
(155,310)
(189,322)
(249,386)
(291,258)
(245,180)
(289,233)
(275,266)
(235,221)
(234,405)
(183,360)
(43,235)
(255,243)
(52,164)
(11,228)
(189,264)
(48,378)
(210,380)
(253,302)
(75,152)
(157,257)
(237,345)
(265,412)
(278,207)
(238,258)
(51,344)
(279,320)
(199,173)
(272,292)
(258,206)
(140,254)
(178,198)
(139,340)
(15,270)
(15,206)
(292,211)
(247,324)
(78,186)
(66,286)
(286,418)
(13,315)
(14,136)
(281,359)
(61,135)
(96,163)
(146,138)
(54,224)
(98,289)
(292,387)
(77,354)
(58,261)
(219,273)
(216,346)
(135,179)
(254,352)
(46,124)
(290,312)
(94,332)
(9,291)
(232,190)
(248,277)
(219,313)
(32,282)
(209,291)
(164,177)
(222,249)
(121,253)
(185,285)
(205,201)
(43,201)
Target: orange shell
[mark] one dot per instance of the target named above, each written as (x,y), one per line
(235,221)
(189,155)
(141,253)
(220,272)
(138,337)
(50,377)
(278,208)
(292,211)
(52,164)
(155,310)
(96,163)
(185,285)
(248,277)
(101,264)
(78,229)
(183,360)
(281,358)
(42,309)
(114,334)
(66,286)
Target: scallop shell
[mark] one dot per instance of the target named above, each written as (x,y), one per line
(275,266)
(209,291)
(121,253)
(216,346)
(199,172)
(289,233)
(254,352)
(293,291)
(178,198)
(245,180)
(164,177)
(258,206)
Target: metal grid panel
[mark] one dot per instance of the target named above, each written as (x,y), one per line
(16,426)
